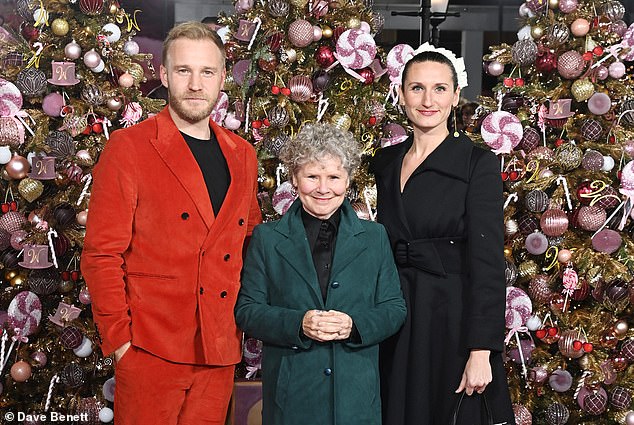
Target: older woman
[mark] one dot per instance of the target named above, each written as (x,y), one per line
(320,289)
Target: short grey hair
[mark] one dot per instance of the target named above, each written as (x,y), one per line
(317,141)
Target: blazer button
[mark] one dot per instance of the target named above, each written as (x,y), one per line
(185,215)
(328,371)
(241,222)
(202,290)
(223,294)
(295,347)
(227,256)
(334,285)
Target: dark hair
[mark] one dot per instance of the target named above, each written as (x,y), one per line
(430,56)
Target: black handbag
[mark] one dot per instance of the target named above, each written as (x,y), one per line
(485,408)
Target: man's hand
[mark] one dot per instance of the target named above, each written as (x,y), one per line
(119,352)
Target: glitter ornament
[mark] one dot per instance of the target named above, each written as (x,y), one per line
(539,289)
(131,48)
(11,222)
(591,129)
(278,8)
(274,143)
(591,217)
(528,224)
(42,282)
(524,52)
(91,7)
(510,272)
(25,312)
(546,62)
(71,337)
(73,375)
(341,121)
(518,307)
(595,403)
(614,10)
(627,113)
(300,33)
(324,56)
(582,89)
(30,189)
(31,82)
(570,64)
(620,398)
(568,6)
(569,156)
(536,200)
(592,160)
(278,117)
(11,135)
(91,94)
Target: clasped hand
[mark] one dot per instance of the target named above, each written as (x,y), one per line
(328,325)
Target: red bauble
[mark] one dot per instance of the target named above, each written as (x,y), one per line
(584,189)
(275,41)
(324,56)
(337,32)
(546,63)
(231,51)
(368,75)
(91,7)
(268,65)
(29,32)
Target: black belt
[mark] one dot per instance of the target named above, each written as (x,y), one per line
(438,256)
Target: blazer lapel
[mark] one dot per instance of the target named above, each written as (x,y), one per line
(174,151)
(295,251)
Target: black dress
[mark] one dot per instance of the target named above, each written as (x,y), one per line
(446,230)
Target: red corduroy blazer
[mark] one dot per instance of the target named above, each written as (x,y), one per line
(162,270)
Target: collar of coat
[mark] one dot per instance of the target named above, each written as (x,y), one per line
(452,157)
(291,222)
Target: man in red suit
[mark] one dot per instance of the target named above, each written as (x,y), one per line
(173,200)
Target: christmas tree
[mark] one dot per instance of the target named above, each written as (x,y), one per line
(69,76)
(562,124)
(298,61)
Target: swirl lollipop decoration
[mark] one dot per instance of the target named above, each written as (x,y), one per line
(355,49)
(396,59)
(219,112)
(24,315)
(10,99)
(502,131)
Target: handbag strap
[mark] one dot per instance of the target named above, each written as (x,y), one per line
(484,405)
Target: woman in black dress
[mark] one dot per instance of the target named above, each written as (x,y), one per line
(440,198)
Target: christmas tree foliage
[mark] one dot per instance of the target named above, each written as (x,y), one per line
(562,124)
(301,61)
(69,75)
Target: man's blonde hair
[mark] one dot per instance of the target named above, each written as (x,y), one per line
(193,31)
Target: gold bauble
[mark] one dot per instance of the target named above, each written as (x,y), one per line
(137,73)
(88,31)
(582,89)
(553,4)
(354,23)
(537,32)
(326,31)
(60,27)
(527,269)
(300,4)
(508,251)
(268,182)
(18,281)
(522,115)
(113,9)
(30,189)
(10,274)
(341,121)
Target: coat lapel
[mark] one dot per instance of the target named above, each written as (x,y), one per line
(294,248)
(174,151)
(349,245)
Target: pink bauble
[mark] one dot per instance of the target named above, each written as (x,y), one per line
(84,296)
(585,391)
(40,359)
(52,104)
(126,80)
(17,239)
(243,5)
(564,255)
(560,380)
(518,307)
(627,176)
(527,350)
(554,222)
(301,88)
(607,240)
(590,218)
(539,289)
(599,104)
(92,58)
(616,70)
(231,122)
(72,50)
(495,68)
(522,415)
(300,33)
(317,33)
(596,403)
(356,49)
(20,371)
(108,389)
(536,243)
(82,217)
(502,131)
(629,418)
(580,27)
(570,64)
(538,375)
(602,72)
(618,27)
(18,167)
(568,6)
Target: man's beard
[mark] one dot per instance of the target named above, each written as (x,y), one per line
(191,116)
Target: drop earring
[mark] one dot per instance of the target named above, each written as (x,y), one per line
(455,127)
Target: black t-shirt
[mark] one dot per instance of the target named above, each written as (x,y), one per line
(213,165)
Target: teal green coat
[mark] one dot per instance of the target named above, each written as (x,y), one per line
(306,382)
